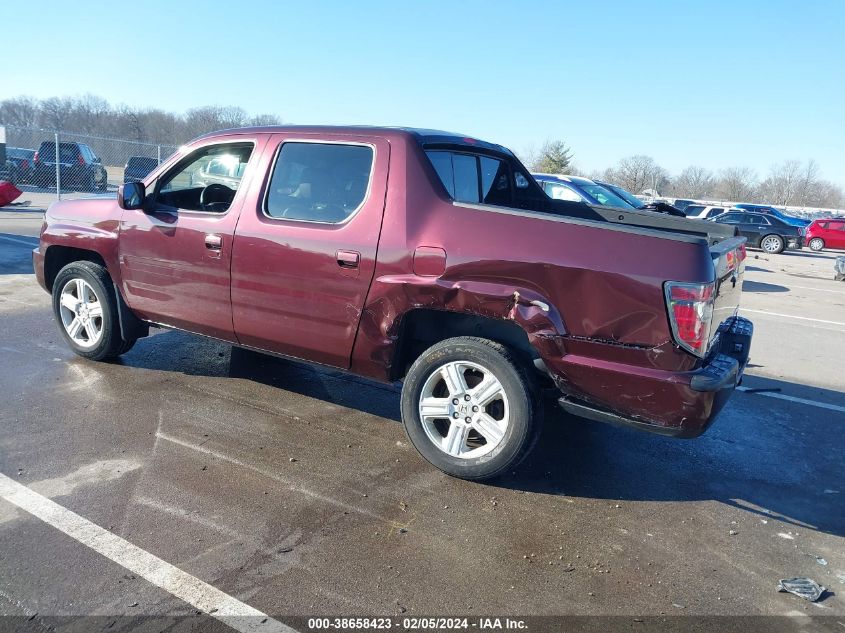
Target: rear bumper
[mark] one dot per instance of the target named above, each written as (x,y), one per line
(680,404)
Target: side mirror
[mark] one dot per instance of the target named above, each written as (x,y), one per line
(130,195)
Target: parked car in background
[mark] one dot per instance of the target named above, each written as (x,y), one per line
(137,168)
(578,189)
(79,167)
(705,212)
(682,204)
(20,162)
(826,233)
(770,210)
(415,255)
(766,232)
(839,269)
(634,201)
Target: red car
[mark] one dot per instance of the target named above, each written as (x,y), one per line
(827,233)
(419,256)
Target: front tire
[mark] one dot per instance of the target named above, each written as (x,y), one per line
(772,244)
(470,408)
(85,308)
(816,244)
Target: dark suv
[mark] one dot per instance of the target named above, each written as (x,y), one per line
(20,162)
(79,167)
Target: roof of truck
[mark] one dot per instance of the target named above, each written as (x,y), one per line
(423,135)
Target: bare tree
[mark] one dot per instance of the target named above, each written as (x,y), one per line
(694,182)
(737,183)
(554,158)
(808,183)
(781,186)
(265,119)
(203,120)
(89,114)
(22,111)
(131,123)
(637,173)
(827,195)
(55,112)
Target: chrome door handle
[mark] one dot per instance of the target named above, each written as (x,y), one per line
(348,259)
(213,241)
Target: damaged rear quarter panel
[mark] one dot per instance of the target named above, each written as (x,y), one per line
(589,285)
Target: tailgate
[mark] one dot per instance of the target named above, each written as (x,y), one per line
(729,264)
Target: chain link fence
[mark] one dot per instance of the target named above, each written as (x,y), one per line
(48,165)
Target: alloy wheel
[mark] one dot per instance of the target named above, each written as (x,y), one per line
(81,313)
(772,243)
(464,409)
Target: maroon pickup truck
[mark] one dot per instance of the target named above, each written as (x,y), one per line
(413,255)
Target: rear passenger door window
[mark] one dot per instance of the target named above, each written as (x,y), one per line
(319,182)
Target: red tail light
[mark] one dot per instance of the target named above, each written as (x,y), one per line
(25,164)
(80,159)
(742,253)
(690,308)
(35,158)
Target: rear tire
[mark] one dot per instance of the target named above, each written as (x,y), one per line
(470,408)
(85,308)
(816,244)
(772,244)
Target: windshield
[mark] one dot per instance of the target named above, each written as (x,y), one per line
(627,197)
(605,196)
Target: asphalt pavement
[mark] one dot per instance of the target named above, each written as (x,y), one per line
(294,491)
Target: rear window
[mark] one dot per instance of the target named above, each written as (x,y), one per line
(68,152)
(473,177)
(16,152)
(142,162)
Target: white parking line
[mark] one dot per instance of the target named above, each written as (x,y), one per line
(783,396)
(819,289)
(16,241)
(194,591)
(792,316)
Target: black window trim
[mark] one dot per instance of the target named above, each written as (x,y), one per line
(268,177)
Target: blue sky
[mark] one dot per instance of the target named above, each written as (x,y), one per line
(714,83)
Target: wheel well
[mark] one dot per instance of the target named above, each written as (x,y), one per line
(57,257)
(422,328)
